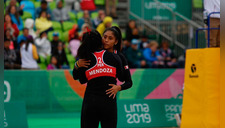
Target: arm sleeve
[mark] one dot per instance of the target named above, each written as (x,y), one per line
(127,76)
(79,74)
(21,24)
(34,52)
(119,68)
(39,41)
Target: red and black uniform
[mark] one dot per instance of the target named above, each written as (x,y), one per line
(97,106)
(127,76)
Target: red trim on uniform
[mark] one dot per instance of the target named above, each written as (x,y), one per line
(100,68)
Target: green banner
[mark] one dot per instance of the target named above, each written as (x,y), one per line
(150,10)
(148,113)
(15,115)
(57,91)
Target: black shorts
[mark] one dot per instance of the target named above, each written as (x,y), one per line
(97,109)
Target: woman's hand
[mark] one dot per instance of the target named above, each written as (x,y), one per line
(83,63)
(113,91)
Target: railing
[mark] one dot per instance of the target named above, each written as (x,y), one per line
(208,30)
(179,30)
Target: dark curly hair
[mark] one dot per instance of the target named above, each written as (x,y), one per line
(91,42)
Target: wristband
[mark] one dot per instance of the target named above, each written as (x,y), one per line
(78,64)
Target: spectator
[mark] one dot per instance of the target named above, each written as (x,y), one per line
(44,7)
(134,56)
(8,36)
(168,56)
(213,6)
(84,29)
(72,31)
(153,56)
(107,23)
(24,36)
(61,56)
(131,30)
(29,24)
(43,45)
(144,43)
(8,24)
(42,23)
(9,56)
(18,9)
(29,55)
(113,6)
(86,19)
(55,41)
(15,17)
(99,19)
(60,13)
(74,44)
(126,45)
(53,64)
(72,5)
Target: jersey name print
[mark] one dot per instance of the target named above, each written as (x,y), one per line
(100,68)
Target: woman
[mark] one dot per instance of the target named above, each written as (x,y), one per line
(42,23)
(111,40)
(60,54)
(29,23)
(43,45)
(15,17)
(29,55)
(103,70)
(131,30)
(8,24)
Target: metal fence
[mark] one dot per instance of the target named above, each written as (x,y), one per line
(166,23)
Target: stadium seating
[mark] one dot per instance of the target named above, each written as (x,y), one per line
(56,25)
(99,2)
(80,15)
(29,7)
(72,17)
(42,63)
(94,15)
(65,36)
(52,5)
(67,25)
(71,60)
(26,15)
(37,4)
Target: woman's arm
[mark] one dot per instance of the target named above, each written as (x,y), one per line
(79,74)
(127,76)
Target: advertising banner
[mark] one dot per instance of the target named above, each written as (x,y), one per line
(148,113)
(150,10)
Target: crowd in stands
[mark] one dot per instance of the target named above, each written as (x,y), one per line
(143,52)
(39,35)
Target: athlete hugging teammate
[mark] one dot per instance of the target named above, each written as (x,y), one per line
(103,70)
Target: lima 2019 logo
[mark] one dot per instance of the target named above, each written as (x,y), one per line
(193,70)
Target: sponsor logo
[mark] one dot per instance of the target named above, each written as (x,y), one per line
(193,70)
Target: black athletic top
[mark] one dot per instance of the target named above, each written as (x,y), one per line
(127,76)
(103,70)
